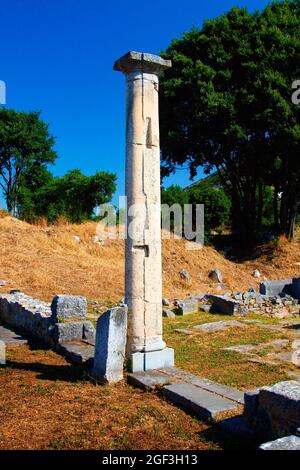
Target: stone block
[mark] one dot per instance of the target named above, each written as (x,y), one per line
(216,275)
(89,331)
(77,353)
(68,308)
(221,304)
(278,412)
(110,345)
(273,288)
(64,332)
(149,380)
(185,307)
(203,404)
(284,443)
(143,361)
(168,313)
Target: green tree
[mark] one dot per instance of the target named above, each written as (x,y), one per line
(74,195)
(217,206)
(24,141)
(226,104)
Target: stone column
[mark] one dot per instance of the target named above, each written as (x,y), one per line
(143,277)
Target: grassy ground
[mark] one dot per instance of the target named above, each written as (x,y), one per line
(46,403)
(202,353)
(45,261)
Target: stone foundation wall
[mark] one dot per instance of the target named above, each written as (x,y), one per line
(42,321)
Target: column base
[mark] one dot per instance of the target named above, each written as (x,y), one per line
(141,361)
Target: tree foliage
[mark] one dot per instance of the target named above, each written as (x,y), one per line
(226,104)
(73,196)
(24,141)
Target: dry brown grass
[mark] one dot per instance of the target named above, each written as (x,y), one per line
(44,261)
(47,404)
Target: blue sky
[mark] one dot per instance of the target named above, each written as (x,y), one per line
(57,57)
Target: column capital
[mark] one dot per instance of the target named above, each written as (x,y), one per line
(142,61)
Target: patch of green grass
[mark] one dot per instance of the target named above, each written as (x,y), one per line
(203,353)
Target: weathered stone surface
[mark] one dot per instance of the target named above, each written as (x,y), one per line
(272,288)
(206,384)
(205,307)
(143,276)
(77,353)
(221,304)
(216,276)
(168,313)
(8,336)
(274,411)
(152,360)
(110,345)
(284,443)
(89,331)
(203,404)
(68,307)
(149,380)
(70,331)
(187,306)
(219,326)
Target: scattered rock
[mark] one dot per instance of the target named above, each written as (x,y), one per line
(165,302)
(168,313)
(184,274)
(274,412)
(206,308)
(284,443)
(184,332)
(76,238)
(2,283)
(187,306)
(216,276)
(256,274)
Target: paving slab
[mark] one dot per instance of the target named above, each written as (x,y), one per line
(149,380)
(77,352)
(9,337)
(206,384)
(212,327)
(203,404)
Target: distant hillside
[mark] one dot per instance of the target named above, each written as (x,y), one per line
(44,261)
(210,181)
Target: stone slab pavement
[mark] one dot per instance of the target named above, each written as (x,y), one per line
(202,397)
